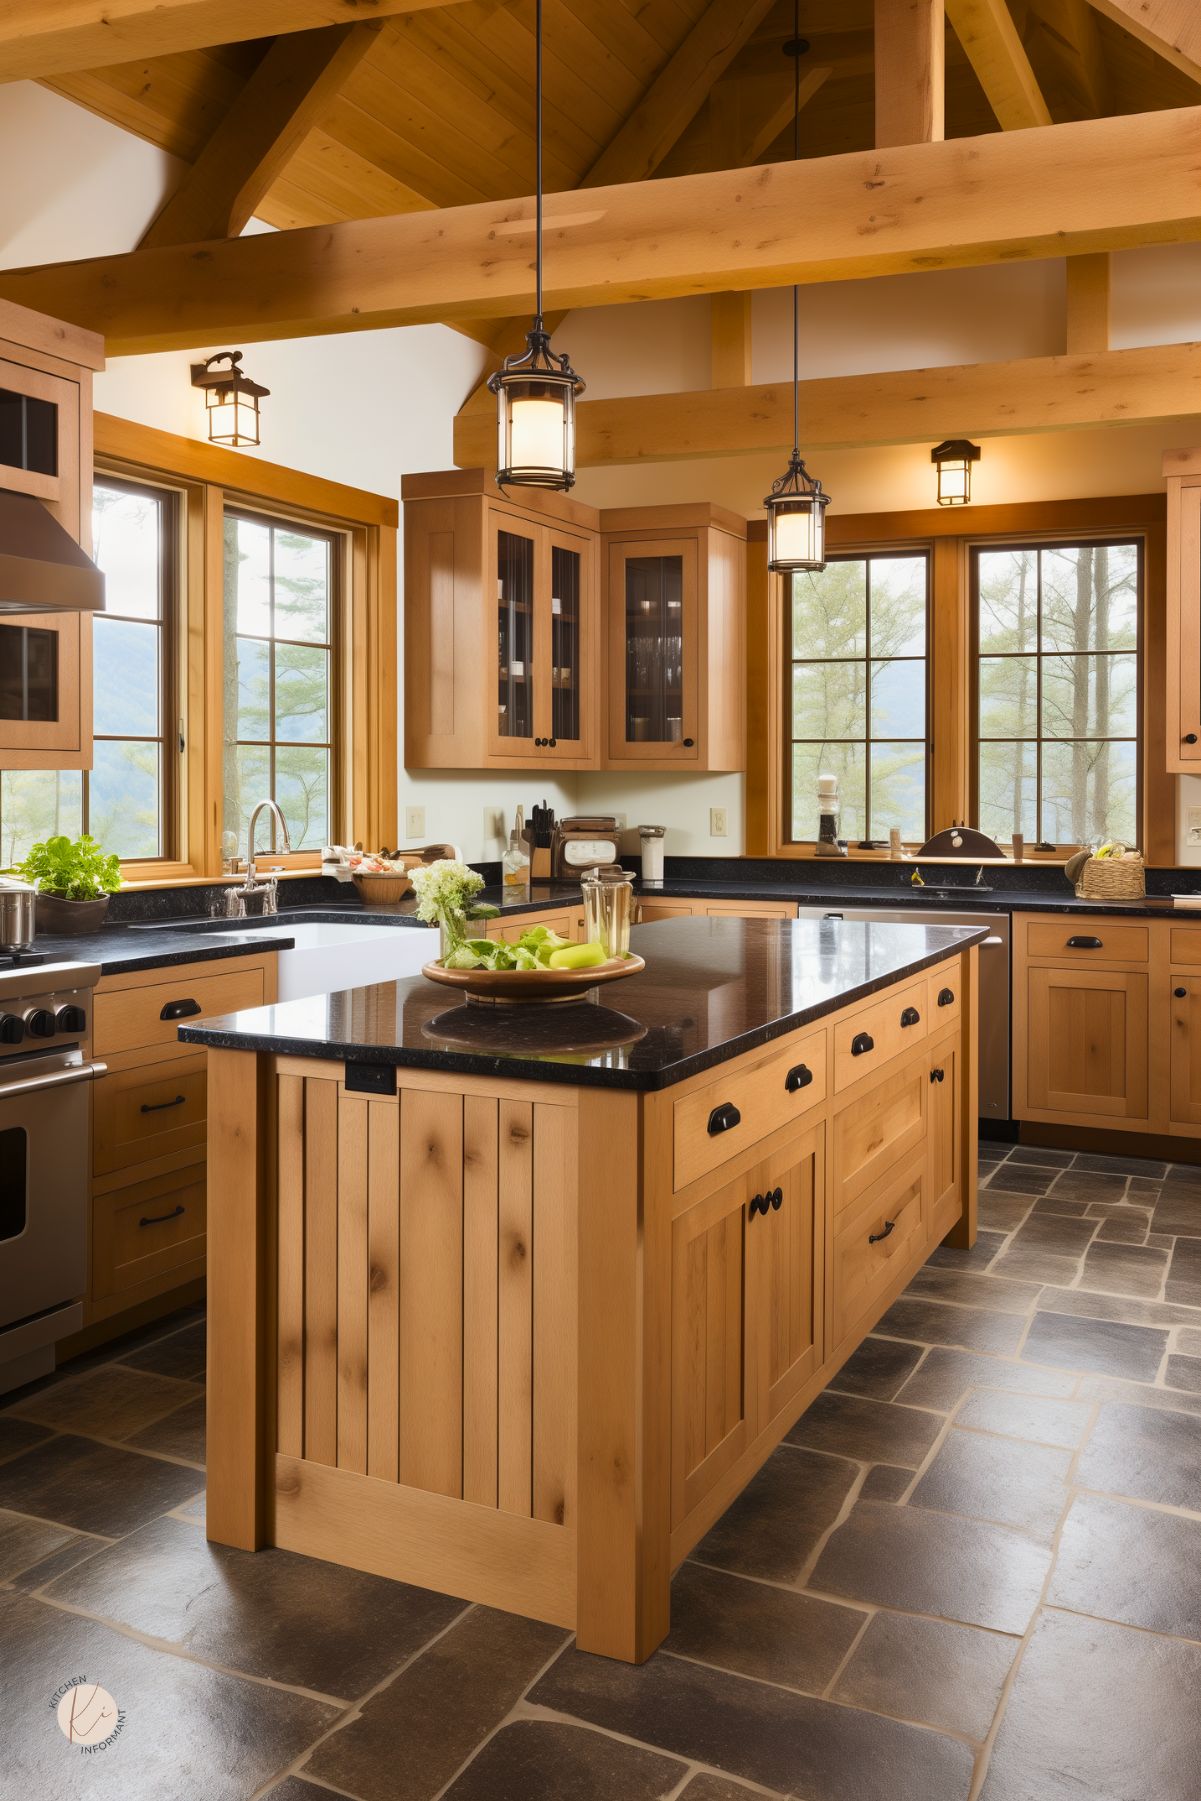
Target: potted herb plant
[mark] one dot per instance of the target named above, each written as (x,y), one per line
(74,879)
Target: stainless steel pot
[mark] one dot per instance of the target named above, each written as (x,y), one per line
(17,902)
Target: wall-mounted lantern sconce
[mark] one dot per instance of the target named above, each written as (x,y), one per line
(231,399)
(954,459)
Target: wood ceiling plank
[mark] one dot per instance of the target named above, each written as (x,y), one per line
(910,83)
(326,181)
(174,102)
(1172,28)
(898,407)
(38,40)
(289,92)
(988,34)
(1065,34)
(1098,184)
(366,136)
(776,120)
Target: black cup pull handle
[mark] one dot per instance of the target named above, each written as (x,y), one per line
(861,1043)
(799,1076)
(180,1009)
(724,1119)
(1180,993)
(890,1226)
(157,1219)
(776,1197)
(161,1106)
(946,997)
(1080,942)
(910,1017)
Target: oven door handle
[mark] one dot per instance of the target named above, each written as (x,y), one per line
(55,1078)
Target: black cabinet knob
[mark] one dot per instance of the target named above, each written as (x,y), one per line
(910,1017)
(71,1019)
(890,1226)
(724,1119)
(946,997)
(1190,737)
(12,1029)
(799,1076)
(758,1204)
(40,1023)
(551,743)
(937,1075)
(861,1043)
(776,1197)
(538,743)
(1080,942)
(1180,993)
(688,743)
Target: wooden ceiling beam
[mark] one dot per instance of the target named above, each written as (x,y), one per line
(990,40)
(289,93)
(844,412)
(40,38)
(909,72)
(1172,28)
(1097,184)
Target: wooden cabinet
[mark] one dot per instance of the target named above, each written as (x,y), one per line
(46,453)
(675,580)
(502,627)
(944,1135)
(568,924)
(1185,1052)
(1183,698)
(1086,1045)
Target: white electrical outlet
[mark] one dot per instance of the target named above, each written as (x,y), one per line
(1193,816)
(414,822)
(718,823)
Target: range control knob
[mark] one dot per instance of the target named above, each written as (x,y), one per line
(39,1023)
(12,1029)
(71,1019)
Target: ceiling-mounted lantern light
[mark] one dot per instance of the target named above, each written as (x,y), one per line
(231,399)
(536,391)
(796,506)
(954,459)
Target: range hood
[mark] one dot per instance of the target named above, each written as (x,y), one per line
(42,568)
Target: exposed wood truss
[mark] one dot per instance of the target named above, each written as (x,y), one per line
(47,37)
(286,96)
(853,411)
(1064,189)
(910,76)
(1172,28)
(987,32)
(1087,304)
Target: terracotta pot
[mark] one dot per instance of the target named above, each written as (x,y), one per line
(55,914)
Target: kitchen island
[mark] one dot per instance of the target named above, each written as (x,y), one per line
(512,1303)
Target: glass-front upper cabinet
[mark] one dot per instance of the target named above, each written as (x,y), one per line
(542,638)
(515,659)
(45,690)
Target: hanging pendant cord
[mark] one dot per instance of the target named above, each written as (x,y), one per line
(538,135)
(796,157)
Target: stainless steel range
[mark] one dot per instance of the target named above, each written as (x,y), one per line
(46,1074)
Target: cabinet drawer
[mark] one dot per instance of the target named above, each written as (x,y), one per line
(511,930)
(866,1041)
(748,909)
(651,910)
(944,997)
(144,1113)
(1087,940)
(129,1019)
(1185,946)
(875,1242)
(147,1229)
(714,1123)
(874,1132)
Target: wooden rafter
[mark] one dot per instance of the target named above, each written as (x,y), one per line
(730,338)
(778,118)
(289,92)
(1097,184)
(1172,28)
(989,37)
(1071,36)
(909,71)
(853,411)
(39,38)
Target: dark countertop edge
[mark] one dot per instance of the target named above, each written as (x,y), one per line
(169,959)
(217,1037)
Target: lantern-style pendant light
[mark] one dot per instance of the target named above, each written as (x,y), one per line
(954,458)
(796,506)
(231,399)
(535,392)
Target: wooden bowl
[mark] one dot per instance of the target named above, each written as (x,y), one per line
(382,889)
(524,987)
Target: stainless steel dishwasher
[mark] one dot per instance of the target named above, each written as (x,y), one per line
(994,983)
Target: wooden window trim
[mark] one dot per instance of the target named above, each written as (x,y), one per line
(950,531)
(209,478)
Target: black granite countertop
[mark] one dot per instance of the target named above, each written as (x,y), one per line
(712,989)
(960,898)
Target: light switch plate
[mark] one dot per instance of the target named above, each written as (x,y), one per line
(414,822)
(1193,816)
(718,822)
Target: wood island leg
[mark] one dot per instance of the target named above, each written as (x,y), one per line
(238,1408)
(623,1580)
(963,1234)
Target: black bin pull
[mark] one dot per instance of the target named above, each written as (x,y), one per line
(946,997)
(799,1076)
(910,1016)
(180,1009)
(724,1119)
(1081,942)
(157,1219)
(890,1226)
(160,1106)
(861,1043)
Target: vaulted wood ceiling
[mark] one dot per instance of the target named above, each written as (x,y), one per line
(437,110)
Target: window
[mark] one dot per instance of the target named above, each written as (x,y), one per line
(858,694)
(280,623)
(124,800)
(1057,691)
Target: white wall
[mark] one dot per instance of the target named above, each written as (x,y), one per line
(365,408)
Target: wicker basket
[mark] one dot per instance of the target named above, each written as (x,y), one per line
(1113,878)
(382,889)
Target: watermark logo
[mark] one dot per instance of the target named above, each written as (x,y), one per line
(87,1715)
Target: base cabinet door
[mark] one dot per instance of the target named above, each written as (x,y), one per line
(1086,1043)
(1186,1051)
(785,1255)
(945,1137)
(875,1239)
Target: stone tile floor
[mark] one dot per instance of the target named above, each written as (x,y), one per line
(972,1572)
